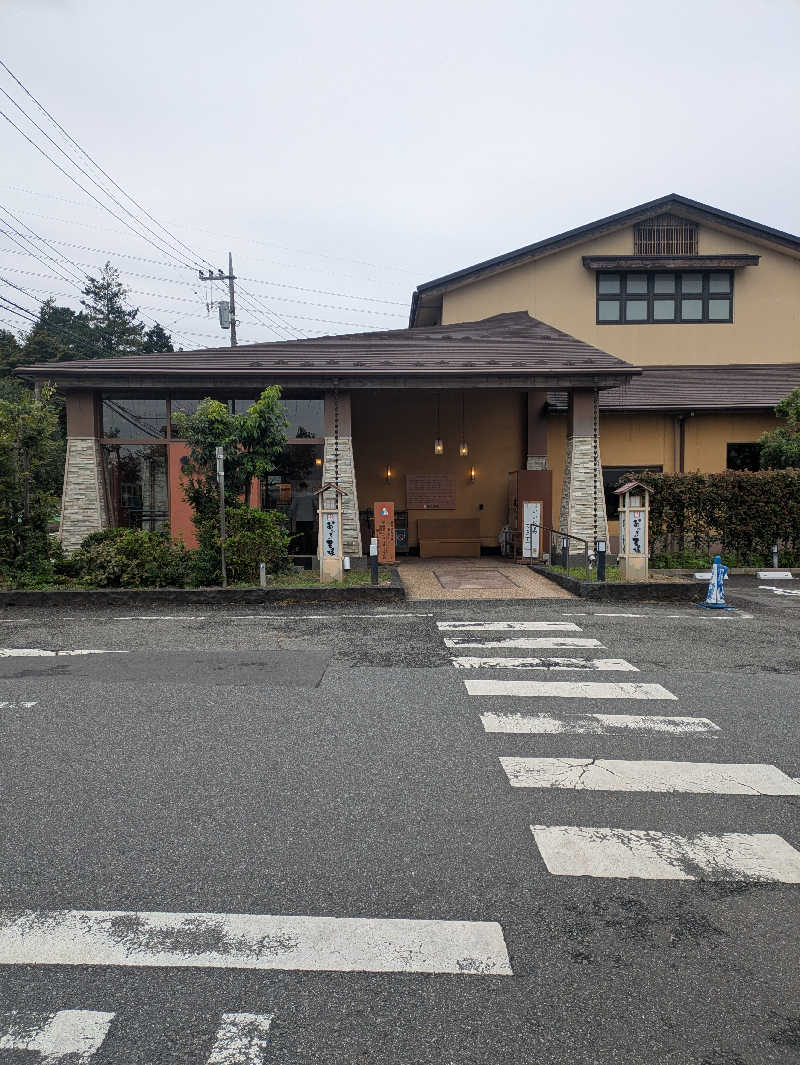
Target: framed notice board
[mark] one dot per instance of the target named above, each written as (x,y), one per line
(430,491)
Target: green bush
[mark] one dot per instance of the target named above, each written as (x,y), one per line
(129,558)
(742,513)
(251,537)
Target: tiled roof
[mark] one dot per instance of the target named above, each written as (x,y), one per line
(685,388)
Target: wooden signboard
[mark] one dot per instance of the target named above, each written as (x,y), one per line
(384,530)
(430,491)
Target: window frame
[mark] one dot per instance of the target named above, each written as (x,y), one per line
(623,297)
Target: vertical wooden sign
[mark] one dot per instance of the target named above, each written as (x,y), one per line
(384,530)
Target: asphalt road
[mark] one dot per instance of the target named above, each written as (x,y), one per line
(332,763)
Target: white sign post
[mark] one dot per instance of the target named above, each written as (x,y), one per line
(531,521)
(331,563)
(634,511)
(220,454)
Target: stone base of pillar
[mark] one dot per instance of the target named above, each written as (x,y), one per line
(351,526)
(579,492)
(536,462)
(84,507)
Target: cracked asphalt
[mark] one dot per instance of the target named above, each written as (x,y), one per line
(273,762)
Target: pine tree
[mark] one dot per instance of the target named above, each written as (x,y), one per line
(113,325)
(59,334)
(157,340)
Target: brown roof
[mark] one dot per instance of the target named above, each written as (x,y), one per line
(508,346)
(686,388)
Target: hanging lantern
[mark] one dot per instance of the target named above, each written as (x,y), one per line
(438,446)
(463,449)
(438,443)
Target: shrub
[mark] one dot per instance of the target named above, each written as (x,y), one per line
(252,537)
(129,558)
(742,512)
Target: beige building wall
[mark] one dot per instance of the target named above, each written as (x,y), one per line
(558,289)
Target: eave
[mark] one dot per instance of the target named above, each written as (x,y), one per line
(669,262)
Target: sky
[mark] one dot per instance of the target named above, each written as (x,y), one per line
(346,152)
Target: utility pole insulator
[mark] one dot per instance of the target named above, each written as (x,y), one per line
(230,310)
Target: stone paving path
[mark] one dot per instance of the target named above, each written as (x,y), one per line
(478,578)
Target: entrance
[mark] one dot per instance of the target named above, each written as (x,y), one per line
(290,490)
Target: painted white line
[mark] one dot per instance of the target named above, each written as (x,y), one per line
(164,617)
(14,621)
(597,724)
(597,614)
(252,941)
(266,617)
(614,852)
(568,689)
(617,665)
(15,706)
(524,643)
(616,774)
(242,1039)
(508,626)
(41,652)
(779,591)
(70,1036)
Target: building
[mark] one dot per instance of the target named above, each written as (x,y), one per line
(658,338)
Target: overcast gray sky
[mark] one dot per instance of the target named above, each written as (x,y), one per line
(360,148)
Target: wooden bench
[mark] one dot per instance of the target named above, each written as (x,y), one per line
(449,537)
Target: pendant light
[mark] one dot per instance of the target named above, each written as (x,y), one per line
(463,447)
(438,443)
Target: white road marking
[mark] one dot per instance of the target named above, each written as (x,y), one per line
(597,724)
(524,643)
(617,665)
(267,617)
(779,591)
(614,852)
(67,1036)
(616,774)
(14,621)
(13,706)
(252,941)
(164,617)
(568,689)
(41,652)
(242,1039)
(597,614)
(508,626)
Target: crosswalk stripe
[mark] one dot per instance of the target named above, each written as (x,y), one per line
(13,706)
(617,774)
(597,724)
(70,1036)
(615,852)
(252,941)
(568,689)
(523,643)
(617,665)
(508,626)
(241,1039)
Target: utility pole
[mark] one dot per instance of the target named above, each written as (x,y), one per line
(230,278)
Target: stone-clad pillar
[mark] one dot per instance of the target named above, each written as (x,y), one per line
(84,503)
(339,456)
(579,490)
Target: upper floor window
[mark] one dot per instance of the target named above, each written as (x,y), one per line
(665,234)
(631,297)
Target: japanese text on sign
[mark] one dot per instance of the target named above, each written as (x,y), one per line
(330,535)
(636,532)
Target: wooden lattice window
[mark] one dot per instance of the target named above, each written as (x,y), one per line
(666,234)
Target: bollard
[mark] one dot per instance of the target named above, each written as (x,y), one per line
(262,574)
(373,560)
(715,596)
(601,559)
(565,554)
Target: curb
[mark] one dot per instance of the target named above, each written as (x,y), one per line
(626,591)
(100,598)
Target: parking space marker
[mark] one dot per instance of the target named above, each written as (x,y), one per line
(69,1036)
(596,724)
(617,774)
(568,689)
(253,941)
(624,853)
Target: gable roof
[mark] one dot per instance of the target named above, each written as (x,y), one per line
(692,209)
(506,351)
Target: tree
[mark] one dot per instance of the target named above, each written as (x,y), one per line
(58,335)
(31,461)
(10,350)
(113,325)
(251,441)
(157,340)
(780,449)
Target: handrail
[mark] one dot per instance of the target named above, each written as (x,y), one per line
(564,548)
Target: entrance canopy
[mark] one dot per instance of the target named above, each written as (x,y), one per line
(506,351)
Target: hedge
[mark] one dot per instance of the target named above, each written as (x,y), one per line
(740,513)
